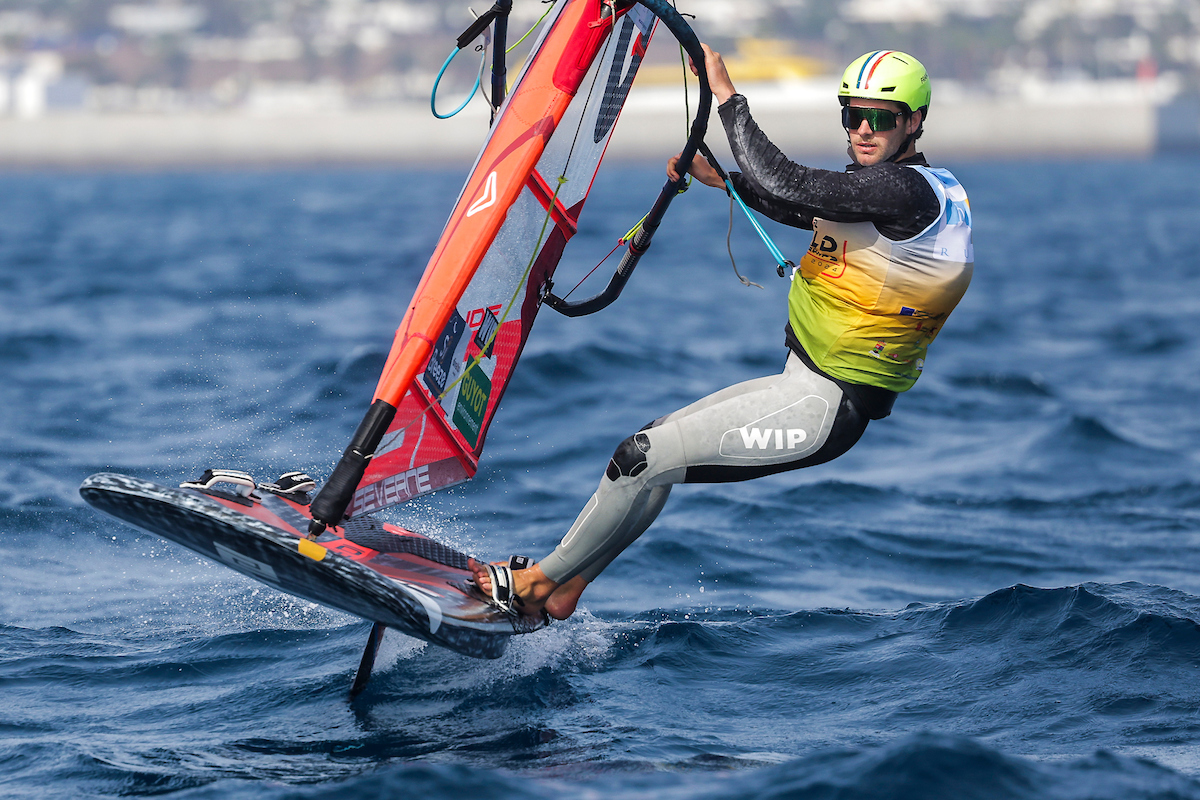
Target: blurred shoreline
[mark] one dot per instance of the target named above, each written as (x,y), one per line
(177,83)
(1084,121)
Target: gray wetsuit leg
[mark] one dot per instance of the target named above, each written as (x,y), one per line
(759,427)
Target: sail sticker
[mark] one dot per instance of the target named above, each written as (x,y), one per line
(487,199)
(406,485)
(473,395)
(442,362)
(476,315)
(484,337)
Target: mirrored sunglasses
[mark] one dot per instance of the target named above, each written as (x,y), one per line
(880,119)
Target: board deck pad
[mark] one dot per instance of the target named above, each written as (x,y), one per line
(372,569)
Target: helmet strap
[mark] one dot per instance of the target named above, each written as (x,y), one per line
(902,149)
(912,137)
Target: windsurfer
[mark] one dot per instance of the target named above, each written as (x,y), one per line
(890,258)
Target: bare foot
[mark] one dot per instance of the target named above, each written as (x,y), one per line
(530,585)
(562,601)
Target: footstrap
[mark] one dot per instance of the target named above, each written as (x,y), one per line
(242,482)
(292,485)
(501,576)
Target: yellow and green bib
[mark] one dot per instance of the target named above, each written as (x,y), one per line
(865,307)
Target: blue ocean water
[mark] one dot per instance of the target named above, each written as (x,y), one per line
(994,595)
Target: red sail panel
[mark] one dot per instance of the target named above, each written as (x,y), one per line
(457,347)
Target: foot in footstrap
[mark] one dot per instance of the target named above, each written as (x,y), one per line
(501,575)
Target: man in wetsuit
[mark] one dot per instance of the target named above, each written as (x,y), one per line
(890,258)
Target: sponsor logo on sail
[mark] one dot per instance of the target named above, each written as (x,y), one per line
(438,374)
(394,489)
(485,336)
(487,199)
(472,403)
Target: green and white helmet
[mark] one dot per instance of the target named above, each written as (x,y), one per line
(887,75)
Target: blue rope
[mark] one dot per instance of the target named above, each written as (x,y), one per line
(781,262)
(438,79)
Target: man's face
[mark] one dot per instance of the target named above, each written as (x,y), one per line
(869,147)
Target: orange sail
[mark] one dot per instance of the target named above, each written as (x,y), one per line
(464,330)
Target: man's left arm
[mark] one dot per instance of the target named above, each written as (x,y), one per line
(752,195)
(889,195)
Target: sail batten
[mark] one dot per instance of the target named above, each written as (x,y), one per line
(456,348)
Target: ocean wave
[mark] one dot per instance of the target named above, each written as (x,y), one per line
(1067,663)
(1004,384)
(869,627)
(912,767)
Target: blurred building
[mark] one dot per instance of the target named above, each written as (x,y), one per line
(296,57)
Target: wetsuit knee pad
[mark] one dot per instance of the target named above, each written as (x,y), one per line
(629,459)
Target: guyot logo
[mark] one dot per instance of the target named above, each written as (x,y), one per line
(761,438)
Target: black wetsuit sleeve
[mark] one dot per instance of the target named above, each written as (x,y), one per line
(898,200)
(767,206)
